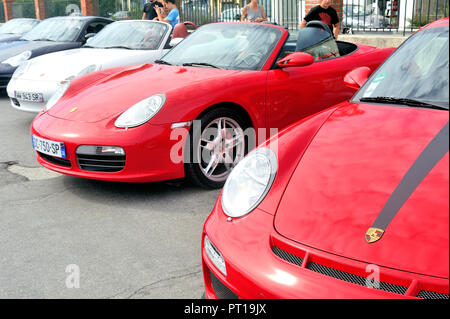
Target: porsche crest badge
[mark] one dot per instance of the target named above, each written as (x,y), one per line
(374,234)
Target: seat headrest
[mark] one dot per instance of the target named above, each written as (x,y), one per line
(180,31)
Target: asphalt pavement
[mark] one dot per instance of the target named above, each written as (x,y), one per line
(66,237)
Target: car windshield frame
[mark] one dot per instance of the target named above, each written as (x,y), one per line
(18,26)
(50,30)
(232,46)
(159,31)
(414,72)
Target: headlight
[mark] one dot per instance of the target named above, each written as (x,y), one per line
(249,182)
(62,88)
(21,69)
(18,59)
(89,69)
(141,112)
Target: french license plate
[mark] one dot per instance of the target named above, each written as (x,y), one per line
(29,96)
(48,147)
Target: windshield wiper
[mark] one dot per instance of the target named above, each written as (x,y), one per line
(162,62)
(44,39)
(201,64)
(402,101)
(119,47)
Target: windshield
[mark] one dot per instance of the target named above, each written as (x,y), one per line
(18,26)
(139,35)
(62,30)
(234,46)
(417,70)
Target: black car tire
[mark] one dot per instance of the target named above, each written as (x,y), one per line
(196,160)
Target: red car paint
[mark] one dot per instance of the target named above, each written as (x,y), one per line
(263,95)
(336,171)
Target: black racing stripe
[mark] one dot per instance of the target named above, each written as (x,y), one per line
(429,157)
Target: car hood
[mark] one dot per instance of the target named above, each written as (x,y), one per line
(348,173)
(106,94)
(61,65)
(11,49)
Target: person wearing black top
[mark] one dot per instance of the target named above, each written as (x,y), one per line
(149,10)
(325,13)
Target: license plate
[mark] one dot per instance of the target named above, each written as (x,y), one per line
(48,147)
(29,96)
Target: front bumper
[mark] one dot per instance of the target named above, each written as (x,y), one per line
(147,149)
(45,87)
(260,263)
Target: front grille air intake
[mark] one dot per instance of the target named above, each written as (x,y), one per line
(337,274)
(100,158)
(355,279)
(287,256)
(431,295)
(220,290)
(55,160)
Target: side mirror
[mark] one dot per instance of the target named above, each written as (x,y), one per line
(89,36)
(175,41)
(357,77)
(296,59)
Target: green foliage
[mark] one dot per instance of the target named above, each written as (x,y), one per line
(419,21)
(108,7)
(23,9)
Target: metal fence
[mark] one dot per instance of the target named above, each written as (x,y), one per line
(358,16)
(390,15)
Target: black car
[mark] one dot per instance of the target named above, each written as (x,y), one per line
(51,35)
(15,28)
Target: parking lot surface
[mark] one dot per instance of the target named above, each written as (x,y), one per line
(66,237)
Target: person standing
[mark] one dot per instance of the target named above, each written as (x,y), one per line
(326,13)
(150,10)
(253,12)
(174,15)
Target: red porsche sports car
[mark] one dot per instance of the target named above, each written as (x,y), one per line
(355,202)
(132,123)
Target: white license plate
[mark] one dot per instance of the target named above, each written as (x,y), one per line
(48,147)
(29,96)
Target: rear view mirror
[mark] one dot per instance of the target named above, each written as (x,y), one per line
(296,59)
(357,77)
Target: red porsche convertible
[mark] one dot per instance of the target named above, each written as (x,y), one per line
(355,203)
(132,123)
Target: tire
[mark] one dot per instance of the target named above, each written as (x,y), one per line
(219,145)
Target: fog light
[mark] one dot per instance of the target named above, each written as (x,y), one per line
(113,149)
(100,150)
(214,255)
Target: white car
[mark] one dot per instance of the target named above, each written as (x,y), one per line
(121,43)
